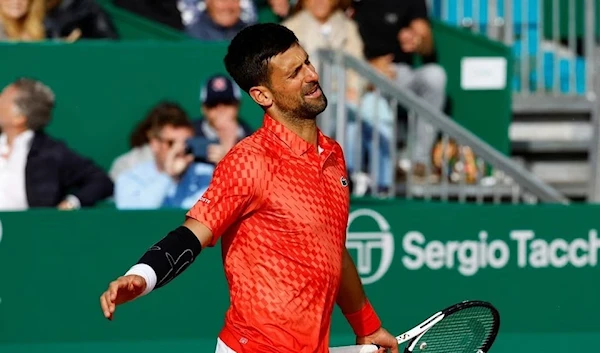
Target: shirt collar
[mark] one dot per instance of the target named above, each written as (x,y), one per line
(22,139)
(297,144)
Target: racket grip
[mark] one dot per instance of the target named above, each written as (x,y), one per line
(369,348)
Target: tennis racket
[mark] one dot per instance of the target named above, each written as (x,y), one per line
(466,327)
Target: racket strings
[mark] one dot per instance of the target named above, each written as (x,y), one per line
(465,331)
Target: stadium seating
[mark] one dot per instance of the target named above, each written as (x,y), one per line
(532,25)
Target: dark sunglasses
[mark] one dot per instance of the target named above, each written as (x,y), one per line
(168,142)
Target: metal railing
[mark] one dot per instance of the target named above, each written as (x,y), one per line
(551,60)
(594,148)
(496,178)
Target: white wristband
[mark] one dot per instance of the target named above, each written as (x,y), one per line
(147,273)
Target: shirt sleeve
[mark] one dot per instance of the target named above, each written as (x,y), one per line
(133,192)
(235,190)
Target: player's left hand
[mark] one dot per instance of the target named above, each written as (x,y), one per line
(382,338)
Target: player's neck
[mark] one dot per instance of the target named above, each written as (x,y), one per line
(304,128)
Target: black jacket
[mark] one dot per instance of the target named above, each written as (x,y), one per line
(53,171)
(86,15)
(161,11)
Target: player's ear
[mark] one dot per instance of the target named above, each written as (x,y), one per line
(262,96)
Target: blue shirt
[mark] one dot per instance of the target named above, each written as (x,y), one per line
(145,187)
(192,185)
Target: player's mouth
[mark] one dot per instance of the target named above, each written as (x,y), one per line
(315,92)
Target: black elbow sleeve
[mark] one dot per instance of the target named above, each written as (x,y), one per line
(172,255)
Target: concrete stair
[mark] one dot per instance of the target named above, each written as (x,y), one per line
(552,137)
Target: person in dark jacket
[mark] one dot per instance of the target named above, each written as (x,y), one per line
(161,11)
(83,19)
(35,169)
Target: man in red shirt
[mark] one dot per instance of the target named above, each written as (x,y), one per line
(279,202)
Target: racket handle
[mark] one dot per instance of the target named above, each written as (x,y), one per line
(369,348)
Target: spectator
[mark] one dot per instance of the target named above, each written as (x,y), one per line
(139,140)
(321,24)
(394,32)
(74,19)
(22,20)
(171,178)
(192,9)
(220,22)
(35,169)
(281,8)
(220,98)
(362,181)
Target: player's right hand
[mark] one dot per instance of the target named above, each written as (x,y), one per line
(120,291)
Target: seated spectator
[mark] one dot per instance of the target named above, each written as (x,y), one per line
(35,169)
(172,178)
(74,19)
(361,178)
(220,22)
(22,20)
(139,140)
(281,8)
(322,24)
(394,32)
(220,98)
(192,9)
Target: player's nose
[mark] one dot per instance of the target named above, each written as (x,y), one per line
(312,75)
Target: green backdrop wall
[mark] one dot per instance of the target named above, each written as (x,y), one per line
(104,88)
(537,264)
(485,112)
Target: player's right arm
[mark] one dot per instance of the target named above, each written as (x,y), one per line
(235,190)
(159,265)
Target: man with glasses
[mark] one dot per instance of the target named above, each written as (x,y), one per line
(171,178)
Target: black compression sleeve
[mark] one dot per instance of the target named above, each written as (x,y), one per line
(172,255)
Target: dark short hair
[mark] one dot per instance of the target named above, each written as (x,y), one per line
(250,51)
(35,101)
(163,114)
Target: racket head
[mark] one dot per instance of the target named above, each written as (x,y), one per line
(467,327)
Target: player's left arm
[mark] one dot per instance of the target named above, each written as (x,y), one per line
(351,297)
(357,309)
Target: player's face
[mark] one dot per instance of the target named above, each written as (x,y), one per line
(294,83)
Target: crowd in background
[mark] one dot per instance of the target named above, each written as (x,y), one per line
(173,155)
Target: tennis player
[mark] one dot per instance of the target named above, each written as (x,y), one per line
(279,202)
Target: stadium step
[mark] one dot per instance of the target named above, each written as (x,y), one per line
(552,140)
